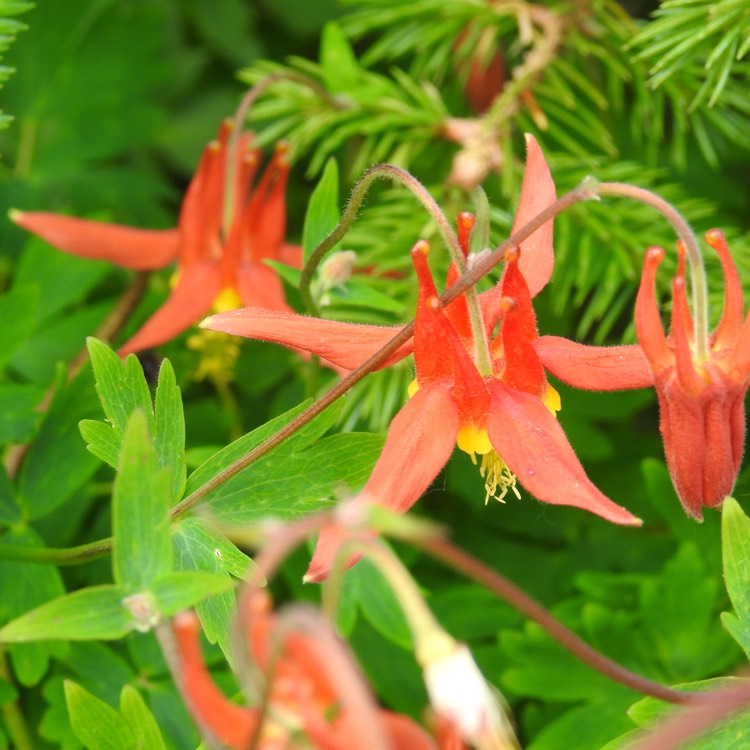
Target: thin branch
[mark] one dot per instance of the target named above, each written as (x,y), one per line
(462,561)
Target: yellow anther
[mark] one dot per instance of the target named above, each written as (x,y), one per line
(498,478)
(218,355)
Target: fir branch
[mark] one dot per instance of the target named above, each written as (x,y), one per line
(9,29)
(715,33)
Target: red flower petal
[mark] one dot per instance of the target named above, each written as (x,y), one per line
(594,368)
(197,288)
(232,724)
(140,249)
(648,325)
(291,255)
(533,445)
(404,733)
(260,286)
(731,318)
(537,192)
(703,438)
(347,345)
(419,443)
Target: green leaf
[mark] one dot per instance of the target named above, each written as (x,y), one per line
(10,513)
(175,592)
(340,68)
(18,312)
(169,431)
(95,722)
(101,440)
(733,734)
(61,279)
(735,530)
(198,549)
(58,464)
(141,720)
(323,210)
(18,412)
(587,727)
(679,610)
(292,481)
(228,455)
(142,546)
(366,586)
(738,629)
(95,613)
(121,388)
(27,585)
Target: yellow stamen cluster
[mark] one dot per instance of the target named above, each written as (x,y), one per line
(498,478)
(218,355)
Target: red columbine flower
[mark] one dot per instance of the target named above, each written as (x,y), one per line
(504,415)
(701,398)
(223,237)
(701,401)
(303,702)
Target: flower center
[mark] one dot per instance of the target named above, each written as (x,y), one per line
(218,355)
(498,478)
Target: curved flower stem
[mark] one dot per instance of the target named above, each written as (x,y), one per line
(379,171)
(697,270)
(462,561)
(397,174)
(75,555)
(240,116)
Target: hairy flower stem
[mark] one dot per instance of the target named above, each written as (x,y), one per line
(379,171)
(472,275)
(697,270)
(457,559)
(280,545)
(478,270)
(238,121)
(397,174)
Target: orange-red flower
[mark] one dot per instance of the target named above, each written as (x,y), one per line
(701,399)
(304,706)
(223,237)
(505,414)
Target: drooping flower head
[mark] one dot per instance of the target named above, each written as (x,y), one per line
(225,233)
(701,388)
(303,702)
(486,393)
(701,398)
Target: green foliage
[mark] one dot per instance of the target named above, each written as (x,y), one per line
(8,30)
(141,548)
(100,726)
(323,212)
(122,390)
(659,103)
(736,548)
(671,44)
